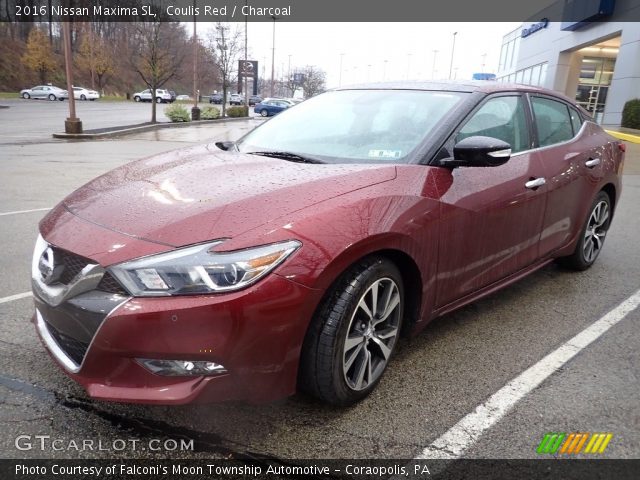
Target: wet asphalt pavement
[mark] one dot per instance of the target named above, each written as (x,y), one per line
(434,380)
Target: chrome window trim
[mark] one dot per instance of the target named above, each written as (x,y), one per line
(556,144)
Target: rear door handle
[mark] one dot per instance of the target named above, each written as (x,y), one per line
(592,162)
(535,183)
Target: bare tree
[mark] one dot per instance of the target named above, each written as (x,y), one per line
(226,42)
(314,81)
(158,52)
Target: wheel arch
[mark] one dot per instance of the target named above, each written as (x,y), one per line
(610,189)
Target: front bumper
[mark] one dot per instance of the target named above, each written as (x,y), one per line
(256,334)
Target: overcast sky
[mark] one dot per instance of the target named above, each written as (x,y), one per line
(407,48)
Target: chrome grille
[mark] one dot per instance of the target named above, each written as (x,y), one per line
(73,264)
(110,285)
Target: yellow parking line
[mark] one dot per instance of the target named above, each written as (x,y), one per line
(624,136)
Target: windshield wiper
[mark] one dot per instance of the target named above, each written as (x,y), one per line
(289,156)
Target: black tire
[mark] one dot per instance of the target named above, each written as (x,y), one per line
(592,235)
(26,96)
(264,113)
(52,97)
(136,99)
(83,97)
(158,100)
(340,317)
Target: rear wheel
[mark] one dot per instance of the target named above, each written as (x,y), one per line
(354,334)
(158,100)
(264,113)
(592,235)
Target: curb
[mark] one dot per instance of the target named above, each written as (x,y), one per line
(624,136)
(119,131)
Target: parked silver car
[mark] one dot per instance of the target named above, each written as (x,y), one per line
(45,91)
(162,96)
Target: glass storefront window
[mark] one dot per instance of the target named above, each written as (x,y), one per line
(543,75)
(535,75)
(519,77)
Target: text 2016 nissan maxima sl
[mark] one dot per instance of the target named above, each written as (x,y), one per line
(295,257)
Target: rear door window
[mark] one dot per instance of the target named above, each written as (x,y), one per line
(552,121)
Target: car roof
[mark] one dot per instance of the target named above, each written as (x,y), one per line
(483,86)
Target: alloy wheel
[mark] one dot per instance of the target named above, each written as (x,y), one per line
(595,231)
(372,334)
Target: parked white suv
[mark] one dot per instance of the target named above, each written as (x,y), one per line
(162,96)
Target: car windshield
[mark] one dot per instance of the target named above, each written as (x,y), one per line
(354,126)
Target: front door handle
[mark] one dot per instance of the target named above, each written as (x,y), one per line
(535,183)
(592,162)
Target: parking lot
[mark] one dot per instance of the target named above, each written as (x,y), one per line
(435,380)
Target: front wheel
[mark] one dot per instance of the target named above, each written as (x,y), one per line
(26,96)
(592,235)
(354,333)
(83,97)
(136,99)
(158,100)
(264,113)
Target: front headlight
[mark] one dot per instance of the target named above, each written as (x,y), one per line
(197,270)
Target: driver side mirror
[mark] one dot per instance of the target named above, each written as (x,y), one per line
(479,151)
(225,145)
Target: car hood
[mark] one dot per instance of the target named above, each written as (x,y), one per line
(202,193)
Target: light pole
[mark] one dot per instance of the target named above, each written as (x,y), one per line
(195,111)
(273,56)
(453,48)
(289,76)
(340,77)
(433,68)
(72,124)
(246,60)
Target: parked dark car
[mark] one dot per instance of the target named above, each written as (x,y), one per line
(295,257)
(253,99)
(215,98)
(270,107)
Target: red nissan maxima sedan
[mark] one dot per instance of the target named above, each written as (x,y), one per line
(295,257)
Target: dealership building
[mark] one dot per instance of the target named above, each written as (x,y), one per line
(594,58)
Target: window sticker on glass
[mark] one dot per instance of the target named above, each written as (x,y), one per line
(385,153)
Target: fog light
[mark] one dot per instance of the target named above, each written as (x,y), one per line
(181,367)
